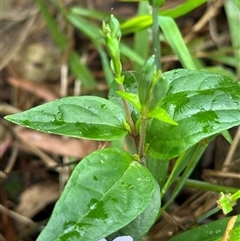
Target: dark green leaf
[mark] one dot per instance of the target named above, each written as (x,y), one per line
(88,117)
(158,168)
(105,192)
(202,103)
(210,232)
(143,222)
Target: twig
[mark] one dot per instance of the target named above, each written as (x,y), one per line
(16,216)
(229,228)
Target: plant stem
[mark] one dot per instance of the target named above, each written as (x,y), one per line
(142,138)
(200,185)
(155,36)
(128,114)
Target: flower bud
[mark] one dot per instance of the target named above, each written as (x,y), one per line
(105,29)
(114,53)
(114,26)
(126,126)
(145,79)
(112,34)
(160,90)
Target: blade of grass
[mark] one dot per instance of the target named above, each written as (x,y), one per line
(105,65)
(179,166)
(238,3)
(140,41)
(228,60)
(182,9)
(89,29)
(93,32)
(136,24)
(57,35)
(220,70)
(233,17)
(155,36)
(131,54)
(89,13)
(174,38)
(141,22)
(80,71)
(199,149)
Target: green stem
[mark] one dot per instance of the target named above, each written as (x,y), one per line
(142,138)
(235,196)
(208,186)
(207,214)
(128,113)
(155,36)
(157,53)
(144,119)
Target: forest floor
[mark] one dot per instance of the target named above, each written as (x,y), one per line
(35,166)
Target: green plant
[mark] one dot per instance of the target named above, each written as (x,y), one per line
(174,114)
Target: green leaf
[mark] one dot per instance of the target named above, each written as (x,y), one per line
(227,136)
(234,234)
(180,164)
(161,115)
(158,168)
(130,86)
(175,40)
(197,151)
(143,222)
(209,232)
(131,98)
(183,8)
(105,192)
(136,24)
(88,117)
(202,103)
(141,22)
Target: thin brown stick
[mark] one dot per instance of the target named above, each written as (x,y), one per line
(229,228)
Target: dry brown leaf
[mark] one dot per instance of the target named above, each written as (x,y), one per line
(36,197)
(56,144)
(38,89)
